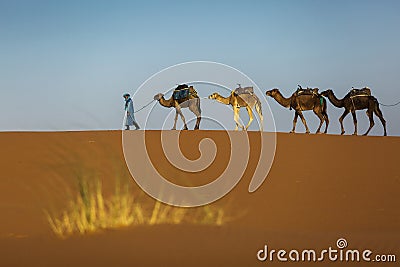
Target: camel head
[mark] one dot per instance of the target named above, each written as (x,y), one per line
(158,96)
(327,92)
(213,96)
(273,92)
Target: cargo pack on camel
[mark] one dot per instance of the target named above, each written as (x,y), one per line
(181,92)
(360,92)
(243,90)
(308,91)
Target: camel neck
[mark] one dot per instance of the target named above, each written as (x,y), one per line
(224,100)
(282,100)
(166,103)
(335,101)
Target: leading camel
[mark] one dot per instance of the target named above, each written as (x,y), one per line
(237,101)
(301,101)
(352,102)
(192,101)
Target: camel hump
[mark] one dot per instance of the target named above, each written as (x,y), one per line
(244,90)
(193,91)
(363,91)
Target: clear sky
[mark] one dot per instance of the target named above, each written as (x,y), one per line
(65,64)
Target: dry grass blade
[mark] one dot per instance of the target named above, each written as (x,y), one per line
(90,212)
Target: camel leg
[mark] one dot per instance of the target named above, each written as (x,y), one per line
(182,117)
(304,122)
(259,111)
(250,112)
(341,120)
(370,114)
(261,123)
(296,115)
(326,122)
(197,126)
(325,114)
(175,120)
(353,113)
(378,113)
(196,110)
(321,120)
(236,118)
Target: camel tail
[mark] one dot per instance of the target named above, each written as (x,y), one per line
(377,109)
(259,111)
(199,105)
(378,113)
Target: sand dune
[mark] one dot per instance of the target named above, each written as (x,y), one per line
(320,188)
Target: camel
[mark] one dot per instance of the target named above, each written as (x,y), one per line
(237,101)
(357,100)
(302,101)
(192,101)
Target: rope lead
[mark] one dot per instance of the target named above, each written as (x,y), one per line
(145,106)
(392,105)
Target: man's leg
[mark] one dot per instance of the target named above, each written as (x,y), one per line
(127,127)
(136,125)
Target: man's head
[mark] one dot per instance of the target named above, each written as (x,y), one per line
(126,96)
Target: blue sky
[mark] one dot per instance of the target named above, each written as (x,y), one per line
(65,64)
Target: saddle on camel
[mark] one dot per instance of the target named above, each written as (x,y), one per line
(243,90)
(308,91)
(300,91)
(360,92)
(183,91)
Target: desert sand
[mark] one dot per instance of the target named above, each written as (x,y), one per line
(320,188)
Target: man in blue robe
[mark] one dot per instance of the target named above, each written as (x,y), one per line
(129,118)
